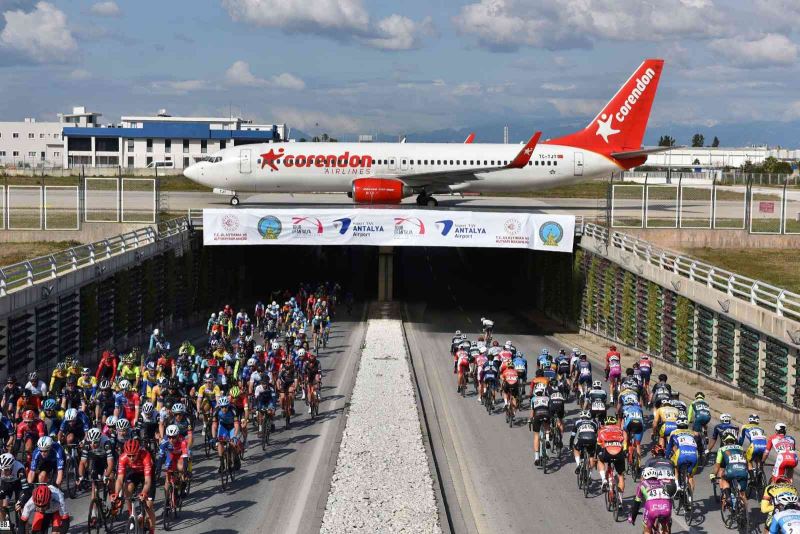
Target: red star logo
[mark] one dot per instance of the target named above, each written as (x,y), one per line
(270,157)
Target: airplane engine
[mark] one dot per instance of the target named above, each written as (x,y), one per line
(379,191)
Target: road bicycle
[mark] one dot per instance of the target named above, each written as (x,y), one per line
(685,495)
(612,494)
(264,426)
(584,473)
(734,510)
(100,515)
(174,491)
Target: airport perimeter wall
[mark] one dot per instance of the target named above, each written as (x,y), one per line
(701,324)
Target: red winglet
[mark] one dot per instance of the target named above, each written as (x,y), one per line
(525,154)
(470,138)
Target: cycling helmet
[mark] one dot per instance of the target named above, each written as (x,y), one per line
(585,414)
(725,418)
(699,395)
(124,385)
(45,443)
(235,392)
(105,384)
(611,420)
(275,345)
(613,347)
(647,357)
(649,473)
(223,401)
(657,450)
(753,418)
(209,377)
(111,421)
(785,499)
(123,424)
(71,381)
(483,349)
(629,400)
(682,422)
(727,437)
(7,460)
(178,407)
(156,332)
(61,366)
(28,416)
(132,447)
(666,402)
(162,381)
(151,366)
(539,389)
(172,431)
(71,414)
(458,332)
(582,356)
(86,371)
(49,405)
(147,408)
(597,385)
(301,353)
(93,435)
(33,377)
(42,496)
(780,428)
(614,358)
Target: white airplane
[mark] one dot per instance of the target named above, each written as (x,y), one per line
(386,173)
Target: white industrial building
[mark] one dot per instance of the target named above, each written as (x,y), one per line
(718,158)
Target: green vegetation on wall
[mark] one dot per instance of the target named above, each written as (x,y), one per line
(684,325)
(654,317)
(608,298)
(578,286)
(628,308)
(591,292)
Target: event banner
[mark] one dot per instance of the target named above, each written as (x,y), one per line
(388,227)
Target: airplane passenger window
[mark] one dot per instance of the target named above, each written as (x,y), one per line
(451,162)
(555,163)
(548,163)
(472,162)
(530,163)
(438,162)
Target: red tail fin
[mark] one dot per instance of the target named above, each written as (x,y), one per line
(621,124)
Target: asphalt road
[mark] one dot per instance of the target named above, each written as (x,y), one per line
(285,488)
(487,470)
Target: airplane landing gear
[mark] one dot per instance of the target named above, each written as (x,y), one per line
(234,200)
(426,200)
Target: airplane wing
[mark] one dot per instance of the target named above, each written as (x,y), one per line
(644,151)
(456,176)
(470,138)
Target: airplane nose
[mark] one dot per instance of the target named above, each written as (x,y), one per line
(192,172)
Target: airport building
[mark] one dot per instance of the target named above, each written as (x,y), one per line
(718,158)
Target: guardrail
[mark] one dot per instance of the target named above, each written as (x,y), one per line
(780,301)
(27,273)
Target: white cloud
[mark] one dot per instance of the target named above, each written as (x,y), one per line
(79,74)
(562,24)
(468,89)
(573,107)
(106,9)
(239,74)
(342,20)
(771,49)
(177,87)
(41,35)
(558,87)
(309,120)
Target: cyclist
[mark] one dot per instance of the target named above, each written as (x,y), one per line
(563,367)
(521,365)
(584,437)
(724,426)
(645,371)
(107,367)
(286,380)
(207,397)
(13,483)
(135,468)
(27,401)
(175,452)
(756,438)
(480,360)
(490,372)
(769,500)
(662,391)
(35,384)
(58,378)
(129,370)
(682,450)
(679,405)
(612,352)
(29,430)
(664,468)
(652,494)
(97,453)
(265,398)
(665,420)
(540,416)
(104,401)
(611,440)
(787,520)
(11,394)
(462,368)
(455,342)
(313,378)
(88,384)
(596,402)
(784,446)
(226,426)
(509,383)
(731,468)
(238,400)
(614,372)
(147,426)
(47,458)
(73,427)
(582,374)
(557,409)
(632,424)
(47,507)
(127,401)
(699,415)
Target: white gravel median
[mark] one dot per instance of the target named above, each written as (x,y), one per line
(382,481)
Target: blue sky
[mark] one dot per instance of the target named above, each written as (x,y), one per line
(362,66)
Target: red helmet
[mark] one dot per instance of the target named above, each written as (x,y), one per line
(613,347)
(41,496)
(28,416)
(132,447)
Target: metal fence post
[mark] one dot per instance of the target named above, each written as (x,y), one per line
(783,206)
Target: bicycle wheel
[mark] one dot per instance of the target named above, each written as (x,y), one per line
(95,518)
(69,476)
(166,511)
(579,476)
(587,478)
(743,519)
(609,494)
(618,505)
(231,462)
(543,452)
(223,471)
(688,503)
(727,514)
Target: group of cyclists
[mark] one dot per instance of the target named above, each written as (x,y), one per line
(607,434)
(119,428)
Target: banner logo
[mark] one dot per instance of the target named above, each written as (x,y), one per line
(461,231)
(447,225)
(306,226)
(551,233)
(230,223)
(269,227)
(344,224)
(407,226)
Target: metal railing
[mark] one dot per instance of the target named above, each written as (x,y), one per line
(29,272)
(780,301)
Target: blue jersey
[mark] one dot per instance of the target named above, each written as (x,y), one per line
(226,419)
(629,395)
(54,458)
(583,368)
(785,522)
(6,427)
(722,427)
(489,371)
(755,436)
(632,413)
(521,365)
(81,425)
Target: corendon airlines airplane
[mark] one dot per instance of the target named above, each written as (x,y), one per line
(386,173)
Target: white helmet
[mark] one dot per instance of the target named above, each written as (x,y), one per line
(275,345)
(725,418)
(111,421)
(259,348)
(251,362)
(597,385)
(223,401)
(539,388)
(93,435)
(124,385)
(649,472)
(44,443)
(147,408)
(123,424)
(7,460)
(780,428)
(782,499)
(156,332)
(213,315)
(172,430)
(71,414)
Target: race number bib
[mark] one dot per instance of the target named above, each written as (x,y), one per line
(685,440)
(585,371)
(598,405)
(540,402)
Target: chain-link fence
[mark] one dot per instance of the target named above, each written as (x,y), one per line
(762,204)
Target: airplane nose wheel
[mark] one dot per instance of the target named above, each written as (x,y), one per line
(234,201)
(425,200)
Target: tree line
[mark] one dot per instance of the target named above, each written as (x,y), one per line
(698,140)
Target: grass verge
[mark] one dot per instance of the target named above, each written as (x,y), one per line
(774,266)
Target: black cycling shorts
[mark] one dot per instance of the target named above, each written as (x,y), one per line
(135,477)
(557,409)
(509,388)
(536,422)
(617,459)
(585,444)
(10,489)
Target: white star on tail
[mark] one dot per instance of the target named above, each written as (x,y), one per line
(528,151)
(604,128)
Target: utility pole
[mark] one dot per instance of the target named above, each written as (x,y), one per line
(505,134)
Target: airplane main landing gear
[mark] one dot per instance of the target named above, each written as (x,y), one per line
(426,200)
(234,200)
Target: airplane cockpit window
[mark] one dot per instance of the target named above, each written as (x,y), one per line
(209,159)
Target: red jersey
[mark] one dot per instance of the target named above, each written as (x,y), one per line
(129,408)
(240,402)
(35,427)
(166,364)
(141,463)
(107,367)
(611,353)
(611,438)
(780,443)
(463,359)
(509,375)
(34,403)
